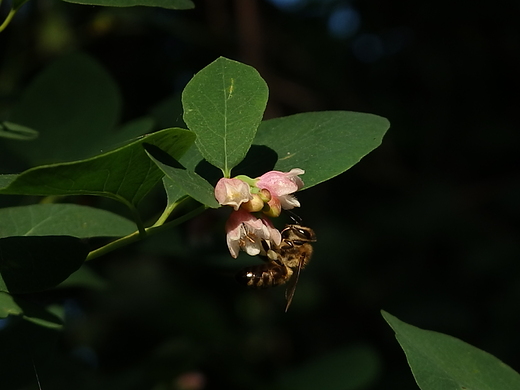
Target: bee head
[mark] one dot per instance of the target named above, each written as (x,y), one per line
(298,234)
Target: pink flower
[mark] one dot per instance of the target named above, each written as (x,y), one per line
(281,185)
(269,194)
(246,232)
(232,192)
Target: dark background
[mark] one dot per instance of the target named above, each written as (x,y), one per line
(425,227)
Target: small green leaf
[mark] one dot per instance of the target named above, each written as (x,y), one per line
(16,131)
(62,219)
(441,362)
(324,144)
(189,160)
(29,264)
(187,180)
(174,192)
(73,104)
(125,174)
(224,104)
(170,4)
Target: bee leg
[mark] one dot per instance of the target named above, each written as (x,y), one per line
(274,257)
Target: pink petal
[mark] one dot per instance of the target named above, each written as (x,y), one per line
(281,183)
(232,192)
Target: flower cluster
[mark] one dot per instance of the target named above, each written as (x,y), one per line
(267,195)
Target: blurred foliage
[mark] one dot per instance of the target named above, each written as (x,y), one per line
(425,227)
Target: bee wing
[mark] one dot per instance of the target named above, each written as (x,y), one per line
(291,285)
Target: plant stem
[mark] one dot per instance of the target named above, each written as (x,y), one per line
(139,222)
(8,19)
(137,235)
(167,212)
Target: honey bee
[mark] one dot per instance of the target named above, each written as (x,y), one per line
(283,262)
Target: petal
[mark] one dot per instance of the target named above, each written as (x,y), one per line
(281,183)
(289,202)
(233,246)
(235,231)
(293,174)
(232,192)
(274,234)
(245,232)
(248,233)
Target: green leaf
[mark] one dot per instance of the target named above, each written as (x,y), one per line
(29,264)
(6,180)
(174,192)
(125,174)
(18,132)
(441,362)
(62,219)
(350,368)
(8,306)
(224,104)
(187,180)
(324,144)
(189,160)
(84,277)
(73,104)
(170,4)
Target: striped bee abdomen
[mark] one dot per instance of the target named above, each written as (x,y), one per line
(264,275)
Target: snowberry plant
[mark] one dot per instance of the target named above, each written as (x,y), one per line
(44,245)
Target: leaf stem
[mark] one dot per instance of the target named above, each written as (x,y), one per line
(8,19)
(167,212)
(137,235)
(138,221)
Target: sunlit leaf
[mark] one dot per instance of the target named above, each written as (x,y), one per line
(189,160)
(62,219)
(439,361)
(125,174)
(324,144)
(187,180)
(224,104)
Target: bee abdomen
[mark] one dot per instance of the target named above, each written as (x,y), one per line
(263,276)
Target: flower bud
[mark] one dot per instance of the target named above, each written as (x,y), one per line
(254,205)
(273,208)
